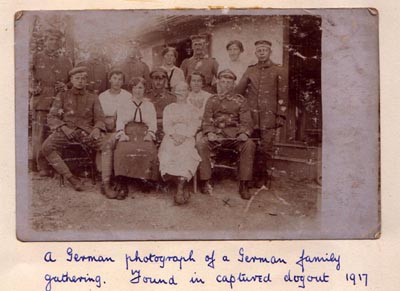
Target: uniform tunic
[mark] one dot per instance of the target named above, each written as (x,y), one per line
(205,65)
(179,160)
(174,76)
(47,68)
(227,116)
(263,87)
(136,158)
(259,85)
(78,110)
(97,75)
(134,67)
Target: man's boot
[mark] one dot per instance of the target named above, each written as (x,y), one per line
(180,197)
(108,191)
(61,168)
(76,183)
(244,190)
(206,187)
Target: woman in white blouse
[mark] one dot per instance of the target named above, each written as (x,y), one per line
(174,74)
(197,96)
(135,155)
(177,154)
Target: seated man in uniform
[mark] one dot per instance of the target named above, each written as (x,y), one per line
(75,116)
(227,123)
(160,97)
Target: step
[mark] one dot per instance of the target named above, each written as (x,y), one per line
(297,151)
(297,168)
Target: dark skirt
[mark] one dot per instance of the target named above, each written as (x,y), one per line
(136,158)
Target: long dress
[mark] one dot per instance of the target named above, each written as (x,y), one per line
(136,158)
(179,160)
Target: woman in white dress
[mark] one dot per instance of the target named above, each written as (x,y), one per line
(174,74)
(177,154)
(135,154)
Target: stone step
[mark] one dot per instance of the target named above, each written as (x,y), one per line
(297,151)
(297,168)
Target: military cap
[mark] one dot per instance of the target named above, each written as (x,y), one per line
(160,71)
(263,42)
(227,74)
(198,37)
(53,32)
(76,70)
(238,43)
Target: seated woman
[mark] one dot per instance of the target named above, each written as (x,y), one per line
(135,154)
(109,101)
(177,154)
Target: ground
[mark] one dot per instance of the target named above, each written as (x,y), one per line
(288,205)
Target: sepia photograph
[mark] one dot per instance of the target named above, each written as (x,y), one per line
(193,124)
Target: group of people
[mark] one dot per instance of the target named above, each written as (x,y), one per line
(159,124)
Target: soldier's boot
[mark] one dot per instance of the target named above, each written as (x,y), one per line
(244,190)
(180,196)
(108,191)
(206,187)
(76,183)
(61,168)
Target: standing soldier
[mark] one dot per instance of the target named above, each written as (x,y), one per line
(160,96)
(97,72)
(261,85)
(49,76)
(201,63)
(133,66)
(227,123)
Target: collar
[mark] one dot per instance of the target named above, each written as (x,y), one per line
(52,54)
(228,96)
(199,57)
(76,91)
(264,64)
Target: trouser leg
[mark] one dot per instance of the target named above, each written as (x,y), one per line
(203,148)
(38,135)
(51,150)
(107,154)
(43,133)
(246,159)
(267,138)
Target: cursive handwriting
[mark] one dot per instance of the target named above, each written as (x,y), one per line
(243,278)
(161,260)
(332,258)
(66,278)
(138,278)
(255,259)
(73,257)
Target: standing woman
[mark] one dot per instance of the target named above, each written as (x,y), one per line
(174,74)
(135,155)
(197,96)
(177,154)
